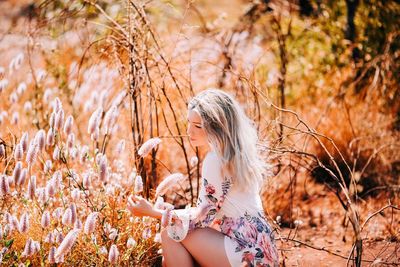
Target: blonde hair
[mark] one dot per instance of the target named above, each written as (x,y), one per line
(232,135)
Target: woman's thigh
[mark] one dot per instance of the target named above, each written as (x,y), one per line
(206,246)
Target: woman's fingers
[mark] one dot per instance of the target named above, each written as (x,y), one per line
(131,202)
(136,198)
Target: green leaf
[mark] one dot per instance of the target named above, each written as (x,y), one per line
(8,243)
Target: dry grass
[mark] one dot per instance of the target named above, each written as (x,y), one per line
(89,67)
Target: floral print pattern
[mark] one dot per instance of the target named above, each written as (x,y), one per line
(254,239)
(252,235)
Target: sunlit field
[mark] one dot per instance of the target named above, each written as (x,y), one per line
(93,109)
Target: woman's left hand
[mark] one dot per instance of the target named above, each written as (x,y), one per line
(139,206)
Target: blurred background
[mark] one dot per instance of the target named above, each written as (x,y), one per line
(319,78)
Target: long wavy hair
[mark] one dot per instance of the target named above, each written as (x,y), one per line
(232,135)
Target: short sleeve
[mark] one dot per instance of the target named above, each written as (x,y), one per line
(212,193)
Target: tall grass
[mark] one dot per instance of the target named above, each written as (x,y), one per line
(75,121)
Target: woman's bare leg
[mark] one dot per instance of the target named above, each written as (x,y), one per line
(174,253)
(207,247)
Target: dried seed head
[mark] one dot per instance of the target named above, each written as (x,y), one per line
(86,180)
(57,105)
(113,254)
(27,106)
(193,161)
(52,119)
(90,223)
(50,188)
(67,243)
(10,181)
(36,246)
(40,139)
(43,195)
(103,250)
(78,224)
(70,140)
(28,250)
(22,178)
(24,223)
(57,177)
(74,215)
(41,75)
(94,120)
(95,135)
(45,221)
(17,173)
(49,238)
(131,243)
(15,118)
(120,147)
(50,137)
(110,119)
(47,166)
(75,194)
(21,88)
(57,213)
(146,234)
(32,187)
(56,153)
(2,72)
(24,141)
(67,217)
(7,217)
(14,223)
(73,153)
(46,95)
(68,125)
(113,234)
(99,158)
(3,85)
(4,186)
(59,119)
(103,172)
(16,62)
(32,153)
(138,184)
(52,255)
(59,237)
(2,151)
(14,97)
(84,153)
(145,149)
(168,183)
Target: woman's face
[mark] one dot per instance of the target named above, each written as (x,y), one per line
(197,133)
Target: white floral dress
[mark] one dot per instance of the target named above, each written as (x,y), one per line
(239,215)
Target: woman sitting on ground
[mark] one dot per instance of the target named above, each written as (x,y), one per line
(228,226)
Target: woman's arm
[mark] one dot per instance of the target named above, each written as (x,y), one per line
(212,193)
(139,206)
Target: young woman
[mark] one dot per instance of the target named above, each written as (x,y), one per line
(228,226)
